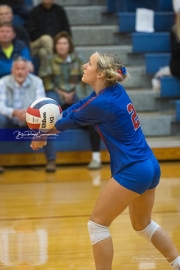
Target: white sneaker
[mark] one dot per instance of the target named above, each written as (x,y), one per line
(94,165)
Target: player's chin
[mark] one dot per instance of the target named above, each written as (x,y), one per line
(83,79)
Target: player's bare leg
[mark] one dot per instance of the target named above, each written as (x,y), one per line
(112,202)
(140,213)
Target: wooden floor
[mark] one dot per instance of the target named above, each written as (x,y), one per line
(43,219)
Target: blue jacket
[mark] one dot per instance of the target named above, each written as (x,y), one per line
(20,49)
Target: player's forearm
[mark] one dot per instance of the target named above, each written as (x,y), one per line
(66,123)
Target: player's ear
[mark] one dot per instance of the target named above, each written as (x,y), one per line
(100,75)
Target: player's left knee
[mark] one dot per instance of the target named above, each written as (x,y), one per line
(97,232)
(148,232)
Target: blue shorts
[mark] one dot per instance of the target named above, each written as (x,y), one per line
(140,176)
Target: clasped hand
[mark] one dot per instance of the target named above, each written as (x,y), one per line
(41,141)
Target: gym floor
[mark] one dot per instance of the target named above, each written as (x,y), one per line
(43,219)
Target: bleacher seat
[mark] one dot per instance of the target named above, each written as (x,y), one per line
(163,21)
(155,61)
(170,87)
(156,45)
(28,3)
(178,110)
(165,5)
(151,42)
(18,20)
(131,5)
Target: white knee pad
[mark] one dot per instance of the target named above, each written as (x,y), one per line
(149,230)
(97,232)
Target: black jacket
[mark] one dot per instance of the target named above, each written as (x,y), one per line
(175,55)
(21,34)
(11,2)
(47,21)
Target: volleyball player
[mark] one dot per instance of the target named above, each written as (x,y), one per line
(134,168)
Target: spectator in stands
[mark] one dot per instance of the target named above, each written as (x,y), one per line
(176,6)
(62,77)
(17,91)
(6,15)
(10,48)
(46,20)
(18,7)
(175,47)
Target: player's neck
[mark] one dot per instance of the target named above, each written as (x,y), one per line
(98,87)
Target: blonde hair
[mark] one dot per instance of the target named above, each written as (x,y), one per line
(110,64)
(176,26)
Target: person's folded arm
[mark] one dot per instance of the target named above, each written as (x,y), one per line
(4,109)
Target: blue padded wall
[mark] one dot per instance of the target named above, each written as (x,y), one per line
(69,140)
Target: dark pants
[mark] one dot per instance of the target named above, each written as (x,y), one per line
(94,138)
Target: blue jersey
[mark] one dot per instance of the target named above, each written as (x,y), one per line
(114,117)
